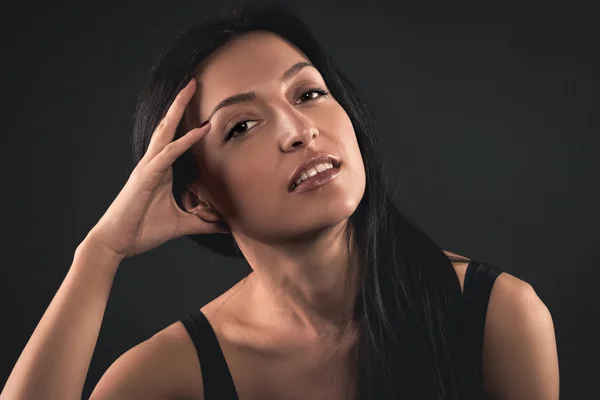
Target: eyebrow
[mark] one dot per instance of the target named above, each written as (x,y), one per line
(251,96)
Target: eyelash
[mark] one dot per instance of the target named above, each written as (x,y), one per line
(321,91)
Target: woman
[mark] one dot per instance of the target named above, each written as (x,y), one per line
(346,298)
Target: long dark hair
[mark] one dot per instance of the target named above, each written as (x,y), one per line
(408,308)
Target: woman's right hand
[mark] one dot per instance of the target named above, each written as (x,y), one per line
(145,215)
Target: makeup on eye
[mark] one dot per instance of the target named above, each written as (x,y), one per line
(322,93)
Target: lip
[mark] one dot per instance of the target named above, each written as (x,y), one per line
(312,162)
(317,181)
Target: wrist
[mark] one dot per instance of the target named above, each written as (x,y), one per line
(98,254)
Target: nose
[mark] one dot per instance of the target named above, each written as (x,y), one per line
(302,138)
(301,132)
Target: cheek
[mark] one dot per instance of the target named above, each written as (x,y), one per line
(338,122)
(346,136)
(351,153)
(250,182)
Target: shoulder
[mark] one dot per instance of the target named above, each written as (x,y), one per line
(164,366)
(519,349)
(519,358)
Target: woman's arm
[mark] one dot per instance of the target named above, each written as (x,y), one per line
(55,361)
(520,360)
(144,215)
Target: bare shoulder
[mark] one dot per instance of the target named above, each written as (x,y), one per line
(519,350)
(519,358)
(164,366)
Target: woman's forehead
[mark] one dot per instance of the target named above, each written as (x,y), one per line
(250,62)
(251,59)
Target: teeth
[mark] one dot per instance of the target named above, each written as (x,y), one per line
(312,172)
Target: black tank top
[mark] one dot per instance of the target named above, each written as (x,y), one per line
(217,380)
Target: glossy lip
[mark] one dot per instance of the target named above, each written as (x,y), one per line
(312,162)
(318,180)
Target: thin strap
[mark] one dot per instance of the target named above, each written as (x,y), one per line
(216,377)
(479,280)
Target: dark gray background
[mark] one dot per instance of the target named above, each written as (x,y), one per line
(489,111)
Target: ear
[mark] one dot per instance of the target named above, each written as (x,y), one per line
(194,202)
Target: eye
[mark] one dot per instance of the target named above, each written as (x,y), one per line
(321,92)
(240,125)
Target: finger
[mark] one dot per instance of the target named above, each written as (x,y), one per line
(173,150)
(165,131)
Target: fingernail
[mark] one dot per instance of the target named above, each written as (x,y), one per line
(204,123)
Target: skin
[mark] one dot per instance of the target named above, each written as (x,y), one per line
(277,329)
(298,265)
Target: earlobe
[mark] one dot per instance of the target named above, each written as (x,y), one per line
(206,212)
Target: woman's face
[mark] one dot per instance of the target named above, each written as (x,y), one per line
(245,174)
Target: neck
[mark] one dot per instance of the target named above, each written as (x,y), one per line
(307,287)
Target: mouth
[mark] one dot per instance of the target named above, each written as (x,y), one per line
(314,178)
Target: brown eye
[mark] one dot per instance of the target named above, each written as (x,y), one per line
(239,127)
(320,91)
